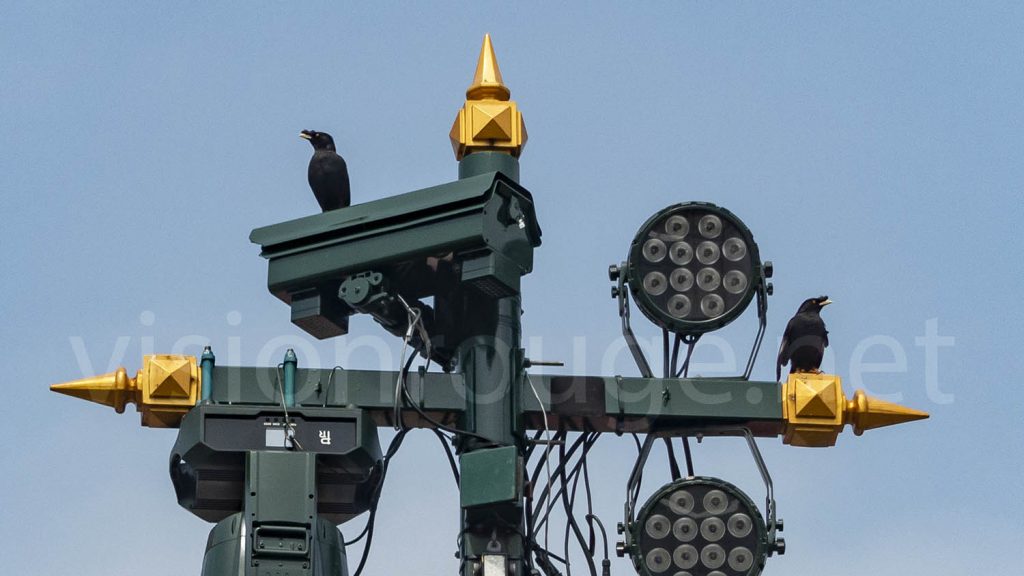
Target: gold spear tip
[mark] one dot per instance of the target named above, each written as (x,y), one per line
(866,413)
(487,83)
(114,389)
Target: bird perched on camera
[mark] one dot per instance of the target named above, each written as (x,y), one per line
(805,339)
(328,173)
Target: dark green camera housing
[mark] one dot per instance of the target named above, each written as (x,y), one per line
(483,228)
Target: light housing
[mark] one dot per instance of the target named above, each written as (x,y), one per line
(699,526)
(693,268)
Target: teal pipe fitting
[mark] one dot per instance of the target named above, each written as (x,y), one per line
(291,363)
(206,362)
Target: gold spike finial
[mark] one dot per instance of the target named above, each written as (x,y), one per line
(816,410)
(165,389)
(489,120)
(115,389)
(867,413)
(487,80)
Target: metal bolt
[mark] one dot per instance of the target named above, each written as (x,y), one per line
(620,549)
(769,289)
(769,269)
(615,291)
(613,272)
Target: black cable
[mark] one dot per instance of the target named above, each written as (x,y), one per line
(690,342)
(587,441)
(545,464)
(441,426)
(544,557)
(673,465)
(570,511)
(675,355)
(569,516)
(553,440)
(551,554)
(571,519)
(542,554)
(451,457)
(640,474)
(360,536)
(590,497)
(689,457)
(330,381)
(556,493)
(606,564)
(575,471)
(399,420)
(528,515)
(573,475)
(581,464)
(558,470)
(396,443)
(591,518)
(289,433)
(408,398)
(666,367)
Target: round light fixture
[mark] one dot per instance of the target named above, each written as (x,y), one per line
(693,268)
(699,526)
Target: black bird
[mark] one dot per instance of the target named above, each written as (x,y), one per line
(328,173)
(805,339)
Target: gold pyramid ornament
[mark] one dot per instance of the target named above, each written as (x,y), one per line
(489,120)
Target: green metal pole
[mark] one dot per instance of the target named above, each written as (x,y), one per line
(489,357)
(484,162)
(491,364)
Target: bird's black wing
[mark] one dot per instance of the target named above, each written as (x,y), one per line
(784,351)
(333,163)
(328,177)
(782,359)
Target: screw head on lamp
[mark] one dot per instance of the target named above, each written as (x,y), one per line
(693,268)
(699,526)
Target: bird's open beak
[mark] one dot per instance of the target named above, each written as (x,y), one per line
(305,136)
(825,303)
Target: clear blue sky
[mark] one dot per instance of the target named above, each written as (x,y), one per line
(874,150)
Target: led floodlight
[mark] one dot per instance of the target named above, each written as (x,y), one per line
(693,268)
(699,526)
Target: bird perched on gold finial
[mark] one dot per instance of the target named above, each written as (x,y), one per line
(805,339)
